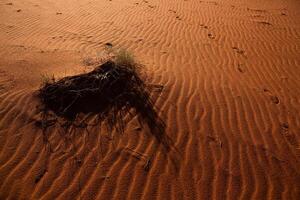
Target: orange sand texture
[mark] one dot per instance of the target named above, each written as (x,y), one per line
(231,99)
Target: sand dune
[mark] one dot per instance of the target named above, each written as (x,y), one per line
(231,99)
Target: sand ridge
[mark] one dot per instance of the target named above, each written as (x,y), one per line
(231,99)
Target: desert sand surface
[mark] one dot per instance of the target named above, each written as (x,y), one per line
(230,71)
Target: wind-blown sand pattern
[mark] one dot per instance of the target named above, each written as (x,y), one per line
(231,99)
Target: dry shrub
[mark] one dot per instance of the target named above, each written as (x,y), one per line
(110,91)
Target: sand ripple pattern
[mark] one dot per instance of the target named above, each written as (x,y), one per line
(231,101)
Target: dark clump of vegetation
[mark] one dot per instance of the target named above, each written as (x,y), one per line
(98,91)
(110,91)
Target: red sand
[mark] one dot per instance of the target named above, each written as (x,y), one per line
(231,99)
